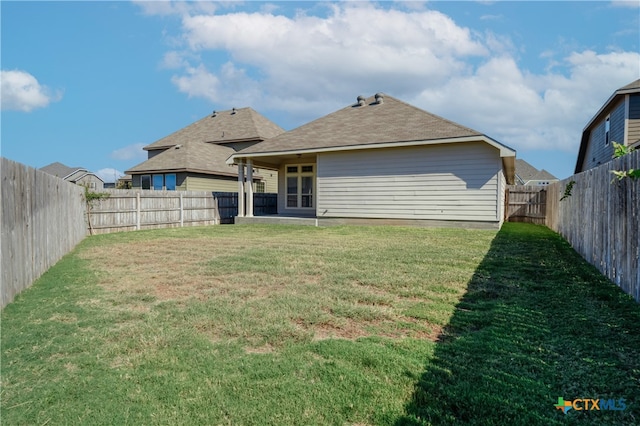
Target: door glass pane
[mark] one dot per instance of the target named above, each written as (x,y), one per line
(292,185)
(307,184)
(145,182)
(170,181)
(158,182)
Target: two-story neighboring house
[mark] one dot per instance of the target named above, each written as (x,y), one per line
(77,175)
(617,121)
(193,158)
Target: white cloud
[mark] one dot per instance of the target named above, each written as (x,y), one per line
(356,47)
(130,152)
(633,4)
(22,92)
(530,111)
(109,174)
(166,8)
(308,66)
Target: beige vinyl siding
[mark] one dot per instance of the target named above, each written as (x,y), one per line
(270,177)
(633,130)
(437,182)
(218,184)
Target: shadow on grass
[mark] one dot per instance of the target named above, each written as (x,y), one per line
(537,323)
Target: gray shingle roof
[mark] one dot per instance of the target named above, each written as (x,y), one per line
(525,172)
(194,156)
(243,124)
(70,174)
(388,122)
(60,170)
(195,148)
(631,86)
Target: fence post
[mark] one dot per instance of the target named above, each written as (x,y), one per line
(181,212)
(138,211)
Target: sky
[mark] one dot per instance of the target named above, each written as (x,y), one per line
(89,84)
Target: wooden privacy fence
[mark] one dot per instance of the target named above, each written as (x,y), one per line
(600,219)
(42,219)
(227,202)
(129,210)
(526,204)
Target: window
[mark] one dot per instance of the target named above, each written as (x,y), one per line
(261,187)
(158,182)
(92,185)
(145,181)
(170,181)
(607,129)
(300,181)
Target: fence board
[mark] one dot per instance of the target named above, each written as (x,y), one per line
(600,220)
(526,204)
(128,209)
(42,219)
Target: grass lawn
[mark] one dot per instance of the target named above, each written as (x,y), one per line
(301,325)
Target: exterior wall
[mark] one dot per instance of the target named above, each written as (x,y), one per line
(633,123)
(152,153)
(457,182)
(282,189)
(202,182)
(270,178)
(597,152)
(90,179)
(205,183)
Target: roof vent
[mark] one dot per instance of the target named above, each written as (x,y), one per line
(361,100)
(234,110)
(379,98)
(214,113)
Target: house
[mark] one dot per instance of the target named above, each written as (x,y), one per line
(618,120)
(382,160)
(526,174)
(124,182)
(193,158)
(77,175)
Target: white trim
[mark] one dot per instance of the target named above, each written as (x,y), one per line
(505,151)
(240,189)
(627,102)
(249,188)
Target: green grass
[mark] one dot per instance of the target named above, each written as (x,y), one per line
(302,325)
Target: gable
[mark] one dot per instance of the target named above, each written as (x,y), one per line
(234,125)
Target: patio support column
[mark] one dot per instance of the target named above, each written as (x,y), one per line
(249,188)
(240,189)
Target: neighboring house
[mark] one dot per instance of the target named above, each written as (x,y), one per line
(124,182)
(383,159)
(617,121)
(193,158)
(77,175)
(526,174)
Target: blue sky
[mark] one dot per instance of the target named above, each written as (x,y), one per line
(90,83)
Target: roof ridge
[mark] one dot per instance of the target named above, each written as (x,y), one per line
(434,115)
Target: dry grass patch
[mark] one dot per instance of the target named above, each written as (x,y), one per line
(269,288)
